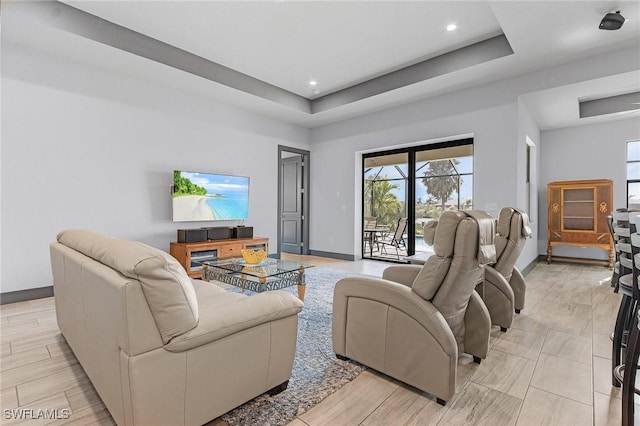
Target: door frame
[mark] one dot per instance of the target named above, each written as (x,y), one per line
(306,155)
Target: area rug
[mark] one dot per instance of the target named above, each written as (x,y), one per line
(317,372)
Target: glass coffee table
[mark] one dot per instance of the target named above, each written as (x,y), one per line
(270,274)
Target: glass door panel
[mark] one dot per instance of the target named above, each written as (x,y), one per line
(443,181)
(384,205)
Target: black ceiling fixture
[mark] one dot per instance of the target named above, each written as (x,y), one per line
(612,21)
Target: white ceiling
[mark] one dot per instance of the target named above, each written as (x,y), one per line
(339,44)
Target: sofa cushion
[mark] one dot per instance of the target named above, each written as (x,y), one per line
(229,313)
(165,284)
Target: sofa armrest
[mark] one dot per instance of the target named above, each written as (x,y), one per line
(392,294)
(234,317)
(403,274)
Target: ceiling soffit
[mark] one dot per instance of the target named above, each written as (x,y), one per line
(78,22)
(610,105)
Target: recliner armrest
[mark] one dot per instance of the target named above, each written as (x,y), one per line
(477,327)
(403,274)
(392,294)
(242,314)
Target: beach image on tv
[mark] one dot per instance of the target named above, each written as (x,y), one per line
(204,196)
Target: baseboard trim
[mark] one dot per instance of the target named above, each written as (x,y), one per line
(331,255)
(24,295)
(580,260)
(525,271)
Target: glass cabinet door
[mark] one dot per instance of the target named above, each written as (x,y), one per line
(578,209)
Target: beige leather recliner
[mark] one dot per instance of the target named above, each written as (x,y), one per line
(160,348)
(413,323)
(504,286)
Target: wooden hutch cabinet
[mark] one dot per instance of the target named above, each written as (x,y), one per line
(578,213)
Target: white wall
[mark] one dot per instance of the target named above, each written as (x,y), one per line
(528,131)
(90,148)
(336,161)
(491,113)
(596,151)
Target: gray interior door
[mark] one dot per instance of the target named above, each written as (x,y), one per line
(291,204)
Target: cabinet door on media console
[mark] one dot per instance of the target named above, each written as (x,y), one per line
(187,253)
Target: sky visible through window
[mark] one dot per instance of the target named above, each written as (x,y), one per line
(465,166)
(633,174)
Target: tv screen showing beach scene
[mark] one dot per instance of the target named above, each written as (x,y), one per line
(206,196)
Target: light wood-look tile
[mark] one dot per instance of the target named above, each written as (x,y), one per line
(29,372)
(607,410)
(294,422)
(602,381)
(579,321)
(576,348)
(6,349)
(544,408)
(564,377)
(9,398)
(352,403)
(59,348)
(57,402)
(33,313)
(38,339)
(9,331)
(91,416)
(24,358)
(466,369)
(602,345)
(82,396)
(604,325)
(479,405)
(64,379)
(505,373)
(531,322)
(521,343)
(575,297)
(406,406)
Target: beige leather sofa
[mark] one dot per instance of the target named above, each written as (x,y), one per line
(160,348)
(413,323)
(504,286)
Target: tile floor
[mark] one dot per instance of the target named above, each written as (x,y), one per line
(551,368)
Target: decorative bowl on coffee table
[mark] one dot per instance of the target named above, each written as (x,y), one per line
(253,257)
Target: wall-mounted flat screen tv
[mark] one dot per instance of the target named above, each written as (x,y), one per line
(207,196)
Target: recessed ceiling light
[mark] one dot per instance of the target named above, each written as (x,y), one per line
(451,27)
(313,83)
(315,91)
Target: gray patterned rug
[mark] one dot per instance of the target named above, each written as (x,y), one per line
(317,372)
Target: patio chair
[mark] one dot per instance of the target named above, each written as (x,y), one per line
(397,239)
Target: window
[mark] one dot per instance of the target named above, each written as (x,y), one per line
(531,181)
(633,174)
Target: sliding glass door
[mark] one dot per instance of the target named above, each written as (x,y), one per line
(405,189)
(385,205)
(444,181)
